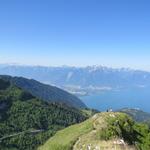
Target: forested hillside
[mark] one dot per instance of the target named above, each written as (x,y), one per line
(137,114)
(26,122)
(45,92)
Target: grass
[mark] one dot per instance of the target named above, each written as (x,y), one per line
(87,112)
(80,136)
(102,123)
(66,138)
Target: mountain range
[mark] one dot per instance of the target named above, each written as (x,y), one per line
(81,79)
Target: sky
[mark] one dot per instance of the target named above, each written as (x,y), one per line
(113,33)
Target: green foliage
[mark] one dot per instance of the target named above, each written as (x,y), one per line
(4,84)
(26,141)
(143,142)
(26,122)
(124,127)
(120,126)
(89,112)
(101,127)
(25,96)
(45,92)
(64,139)
(137,115)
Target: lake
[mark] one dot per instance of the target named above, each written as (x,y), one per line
(132,98)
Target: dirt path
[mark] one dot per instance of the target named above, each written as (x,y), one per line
(90,141)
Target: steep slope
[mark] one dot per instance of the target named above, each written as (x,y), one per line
(26,122)
(105,131)
(45,92)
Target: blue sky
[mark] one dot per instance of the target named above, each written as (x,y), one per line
(113,33)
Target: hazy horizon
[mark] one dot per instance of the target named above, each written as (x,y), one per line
(76,33)
(81,66)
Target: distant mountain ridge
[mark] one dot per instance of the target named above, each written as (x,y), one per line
(45,92)
(137,114)
(94,77)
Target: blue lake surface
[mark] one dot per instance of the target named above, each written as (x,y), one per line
(132,98)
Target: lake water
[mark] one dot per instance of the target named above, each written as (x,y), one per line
(132,98)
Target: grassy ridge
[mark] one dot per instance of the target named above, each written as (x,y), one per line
(102,130)
(64,139)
